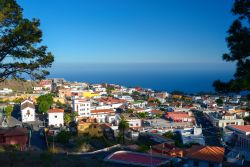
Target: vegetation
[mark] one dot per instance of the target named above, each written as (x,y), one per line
(44,102)
(18,100)
(43,107)
(123,126)
(155,101)
(18,85)
(8,111)
(238,42)
(169,135)
(219,102)
(143,148)
(63,137)
(143,114)
(247,119)
(129,111)
(47,97)
(109,89)
(20,52)
(69,117)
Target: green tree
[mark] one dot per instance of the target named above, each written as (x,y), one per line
(47,97)
(20,49)
(67,118)
(143,114)
(219,102)
(8,111)
(63,137)
(247,119)
(238,42)
(129,111)
(123,126)
(43,107)
(169,135)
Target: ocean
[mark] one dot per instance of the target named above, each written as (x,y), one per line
(186,77)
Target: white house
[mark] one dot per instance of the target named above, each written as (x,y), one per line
(27,111)
(224,119)
(82,107)
(55,117)
(101,115)
(5,91)
(139,104)
(133,121)
(192,135)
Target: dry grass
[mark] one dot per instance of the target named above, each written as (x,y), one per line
(15,85)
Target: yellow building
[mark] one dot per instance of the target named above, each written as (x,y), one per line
(177,96)
(90,94)
(90,127)
(59,99)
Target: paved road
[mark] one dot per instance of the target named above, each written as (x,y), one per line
(211,133)
(37,141)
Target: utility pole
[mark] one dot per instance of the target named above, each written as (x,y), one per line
(151,156)
(29,137)
(53,144)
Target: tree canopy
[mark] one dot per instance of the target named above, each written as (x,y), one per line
(8,111)
(238,42)
(44,102)
(20,49)
(123,126)
(219,102)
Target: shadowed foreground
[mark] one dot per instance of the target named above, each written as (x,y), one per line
(28,159)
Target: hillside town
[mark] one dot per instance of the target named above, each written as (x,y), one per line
(126,125)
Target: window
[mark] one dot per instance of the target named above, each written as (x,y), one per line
(28,112)
(196,163)
(55,116)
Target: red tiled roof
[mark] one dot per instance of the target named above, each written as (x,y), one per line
(207,153)
(111,100)
(55,110)
(244,128)
(45,82)
(157,111)
(177,115)
(102,111)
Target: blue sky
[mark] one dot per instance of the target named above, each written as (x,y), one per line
(138,31)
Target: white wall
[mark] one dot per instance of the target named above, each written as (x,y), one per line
(56,119)
(28,117)
(82,107)
(134,123)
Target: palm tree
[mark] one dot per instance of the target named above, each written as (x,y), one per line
(123,126)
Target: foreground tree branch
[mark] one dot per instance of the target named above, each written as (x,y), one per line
(20,52)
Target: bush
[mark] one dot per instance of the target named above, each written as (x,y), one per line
(63,137)
(2,149)
(53,150)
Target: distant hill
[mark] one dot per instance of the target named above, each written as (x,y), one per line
(18,85)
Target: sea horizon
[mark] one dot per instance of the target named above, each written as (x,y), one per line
(185,77)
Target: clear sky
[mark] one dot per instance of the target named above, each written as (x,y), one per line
(125,31)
